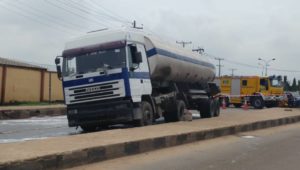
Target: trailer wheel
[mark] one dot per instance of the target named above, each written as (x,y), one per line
(207,109)
(258,103)
(174,112)
(147,115)
(180,110)
(89,128)
(216,108)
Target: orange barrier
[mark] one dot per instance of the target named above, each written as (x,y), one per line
(223,104)
(245,105)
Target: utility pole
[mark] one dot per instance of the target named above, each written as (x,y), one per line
(199,50)
(134,25)
(232,71)
(183,43)
(219,65)
(263,68)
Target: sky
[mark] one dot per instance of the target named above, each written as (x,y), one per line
(238,31)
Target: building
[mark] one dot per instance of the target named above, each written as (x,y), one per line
(23,82)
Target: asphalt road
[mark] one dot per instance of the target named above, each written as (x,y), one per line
(275,148)
(45,127)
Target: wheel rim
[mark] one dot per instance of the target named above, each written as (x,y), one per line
(147,117)
(212,109)
(257,103)
(181,112)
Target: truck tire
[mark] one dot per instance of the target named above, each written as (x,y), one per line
(258,103)
(89,128)
(174,114)
(216,107)
(179,111)
(207,109)
(147,115)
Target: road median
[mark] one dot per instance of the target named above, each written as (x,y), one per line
(70,151)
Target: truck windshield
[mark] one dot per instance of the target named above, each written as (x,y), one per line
(94,62)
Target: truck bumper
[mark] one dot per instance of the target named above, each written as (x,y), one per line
(100,113)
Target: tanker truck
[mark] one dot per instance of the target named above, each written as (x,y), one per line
(127,76)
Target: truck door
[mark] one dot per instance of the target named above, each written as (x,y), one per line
(139,78)
(235,87)
(235,90)
(264,86)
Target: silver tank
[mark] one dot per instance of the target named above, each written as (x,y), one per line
(174,63)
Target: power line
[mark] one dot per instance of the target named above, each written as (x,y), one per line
(103,14)
(34,19)
(64,21)
(283,70)
(37,16)
(252,66)
(110,13)
(108,18)
(73,13)
(82,9)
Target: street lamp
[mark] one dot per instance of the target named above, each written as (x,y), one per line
(266,64)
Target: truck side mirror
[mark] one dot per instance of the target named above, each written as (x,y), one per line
(58,67)
(137,58)
(57,60)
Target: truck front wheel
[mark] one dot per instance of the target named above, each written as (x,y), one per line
(258,103)
(147,115)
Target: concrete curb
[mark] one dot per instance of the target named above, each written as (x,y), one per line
(96,154)
(27,113)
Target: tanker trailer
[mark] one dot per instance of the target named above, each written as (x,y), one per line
(126,76)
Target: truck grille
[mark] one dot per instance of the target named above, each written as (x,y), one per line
(99,91)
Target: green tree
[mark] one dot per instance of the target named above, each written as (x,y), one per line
(294,85)
(286,84)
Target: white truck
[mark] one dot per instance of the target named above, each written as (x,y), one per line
(127,76)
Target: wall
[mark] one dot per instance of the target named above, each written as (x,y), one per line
(56,87)
(1,71)
(22,85)
(28,85)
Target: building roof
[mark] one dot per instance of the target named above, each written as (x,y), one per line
(15,63)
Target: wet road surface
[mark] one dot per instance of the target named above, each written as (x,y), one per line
(34,128)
